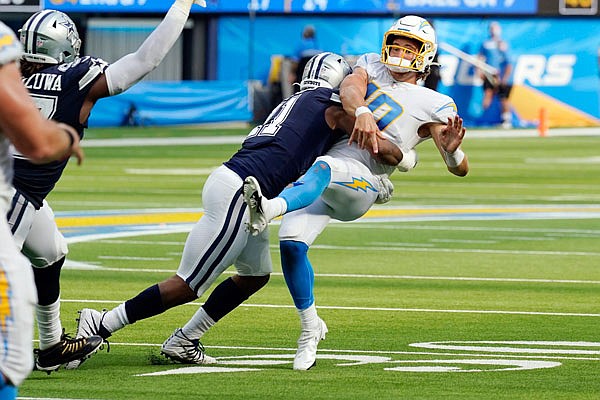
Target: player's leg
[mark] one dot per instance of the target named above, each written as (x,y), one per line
(488,93)
(351,192)
(17,295)
(37,234)
(302,193)
(254,267)
(212,245)
(503,95)
(297,232)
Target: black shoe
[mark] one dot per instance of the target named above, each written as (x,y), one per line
(65,351)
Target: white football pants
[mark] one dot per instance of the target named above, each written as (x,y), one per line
(220,238)
(352,190)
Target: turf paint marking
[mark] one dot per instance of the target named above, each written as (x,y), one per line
(523,358)
(542,347)
(384,309)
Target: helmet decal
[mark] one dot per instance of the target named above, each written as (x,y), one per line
(324,70)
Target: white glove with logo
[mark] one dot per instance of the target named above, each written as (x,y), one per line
(409,160)
(385,189)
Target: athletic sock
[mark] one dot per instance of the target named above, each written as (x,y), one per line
(198,324)
(223,299)
(298,272)
(49,325)
(47,282)
(145,305)
(308,317)
(115,319)
(274,207)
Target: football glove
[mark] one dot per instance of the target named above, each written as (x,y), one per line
(385,189)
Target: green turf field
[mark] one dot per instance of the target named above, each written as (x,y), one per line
(483,287)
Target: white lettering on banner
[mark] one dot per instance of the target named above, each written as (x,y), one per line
(124,3)
(432,3)
(12,2)
(536,70)
(256,5)
(312,5)
(481,3)
(533,69)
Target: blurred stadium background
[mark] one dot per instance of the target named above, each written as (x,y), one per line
(231,63)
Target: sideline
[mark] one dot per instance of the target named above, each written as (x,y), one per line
(213,140)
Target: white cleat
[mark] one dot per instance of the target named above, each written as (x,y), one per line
(306,355)
(89,324)
(254,199)
(186,351)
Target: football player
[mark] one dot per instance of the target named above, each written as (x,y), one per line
(65,88)
(389,105)
(277,152)
(42,141)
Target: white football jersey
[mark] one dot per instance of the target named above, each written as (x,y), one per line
(10,50)
(399,108)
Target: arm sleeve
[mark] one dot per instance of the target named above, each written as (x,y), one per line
(130,69)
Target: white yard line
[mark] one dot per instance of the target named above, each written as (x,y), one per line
(75,265)
(385,309)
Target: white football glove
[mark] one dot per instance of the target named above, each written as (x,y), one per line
(409,161)
(385,189)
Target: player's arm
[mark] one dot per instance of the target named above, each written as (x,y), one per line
(39,139)
(507,67)
(131,68)
(353,90)
(448,138)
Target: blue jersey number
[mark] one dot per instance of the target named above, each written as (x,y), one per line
(385,108)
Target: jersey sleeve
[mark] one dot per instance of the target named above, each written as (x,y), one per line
(10,47)
(91,68)
(444,108)
(366,59)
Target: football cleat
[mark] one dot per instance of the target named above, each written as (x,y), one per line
(306,354)
(254,199)
(186,351)
(65,351)
(89,324)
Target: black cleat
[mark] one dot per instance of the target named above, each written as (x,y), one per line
(65,351)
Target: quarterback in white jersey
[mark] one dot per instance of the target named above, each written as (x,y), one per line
(22,125)
(390,107)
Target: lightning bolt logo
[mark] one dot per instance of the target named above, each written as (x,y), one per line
(5,311)
(358,184)
(6,40)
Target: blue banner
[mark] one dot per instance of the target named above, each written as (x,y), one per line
(174,103)
(559,59)
(423,7)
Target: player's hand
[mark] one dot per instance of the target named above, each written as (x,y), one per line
(76,151)
(366,132)
(452,135)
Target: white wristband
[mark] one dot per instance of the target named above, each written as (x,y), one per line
(362,110)
(409,160)
(454,159)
